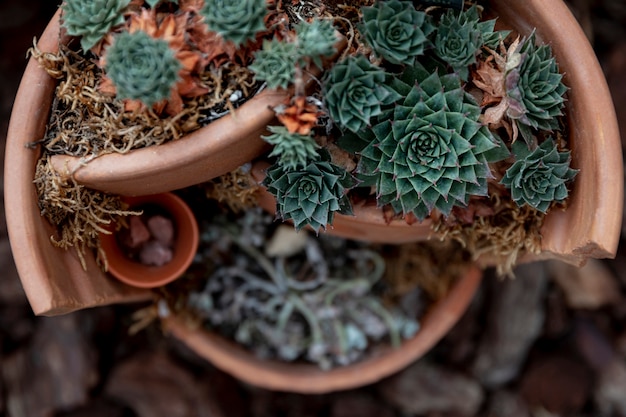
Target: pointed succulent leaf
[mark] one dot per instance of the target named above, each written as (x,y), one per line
(534,89)
(354,91)
(292,149)
(142,67)
(275,63)
(539,177)
(91,19)
(396,30)
(235,20)
(430,154)
(311,195)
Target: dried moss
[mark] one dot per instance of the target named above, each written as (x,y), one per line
(238,190)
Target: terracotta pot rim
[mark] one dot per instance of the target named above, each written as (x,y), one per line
(186,245)
(310,379)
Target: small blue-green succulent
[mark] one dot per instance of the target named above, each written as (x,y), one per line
(311,195)
(539,177)
(91,19)
(396,31)
(275,63)
(292,149)
(461,35)
(355,91)
(534,89)
(235,20)
(153,3)
(142,67)
(315,40)
(430,152)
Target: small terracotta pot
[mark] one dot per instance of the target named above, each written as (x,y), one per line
(590,226)
(185,247)
(310,379)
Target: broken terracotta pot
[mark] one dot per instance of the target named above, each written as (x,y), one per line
(590,225)
(310,379)
(159,260)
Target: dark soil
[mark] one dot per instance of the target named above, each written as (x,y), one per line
(550,343)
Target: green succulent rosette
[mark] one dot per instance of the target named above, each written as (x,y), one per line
(316,39)
(142,67)
(355,91)
(538,177)
(237,21)
(430,151)
(310,196)
(292,149)
(91,19)
(534,89)
(461,35)
(275,63)
(396,31)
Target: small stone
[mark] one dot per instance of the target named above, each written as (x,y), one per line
(155,253)
(162,229)
(138,233)
(286,241)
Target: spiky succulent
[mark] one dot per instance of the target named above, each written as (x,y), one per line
(275,63)
(91,19)
(236,20)
(534,88)
(539,177)
(316,39)
(310,196)
(354,92)
(292,149)
(142,67)
(396,30)
(430,152)
(460,35)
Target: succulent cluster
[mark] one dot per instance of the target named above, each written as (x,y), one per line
(293,150)
(405,114)
(92,20)
(154,71)
(263,301)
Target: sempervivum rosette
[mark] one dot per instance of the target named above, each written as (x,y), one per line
(534,89)
(354,92)
(396,31)
(236,20)
(142,67)
(310,195)
(539,177)
(91,19)
(430,152)
(460,35)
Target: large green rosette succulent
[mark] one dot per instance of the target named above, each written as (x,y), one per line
(396,31)
(430,152)
(91,19)
(236,20)
(354,92)
(534,89)
(310,196)
(142,67)
(539,177)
